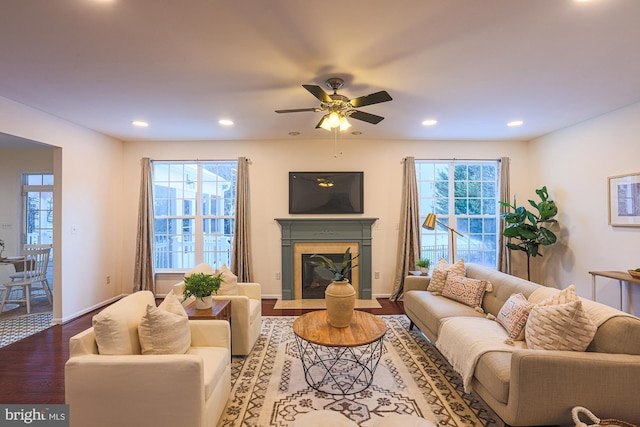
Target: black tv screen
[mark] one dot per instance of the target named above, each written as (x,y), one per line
(326,192)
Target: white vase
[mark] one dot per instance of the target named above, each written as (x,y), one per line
(340,298)
(203,303)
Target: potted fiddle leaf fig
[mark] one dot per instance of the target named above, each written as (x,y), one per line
(202,286)
(528,228)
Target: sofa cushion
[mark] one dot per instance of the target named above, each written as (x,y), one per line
(493,371)
(215,360)
(164,332)
(439,275)
(438,308)
(513,315)
(464,289)
(116,327)
(229,285)
(559,327)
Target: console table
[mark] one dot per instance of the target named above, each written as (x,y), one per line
(620,276)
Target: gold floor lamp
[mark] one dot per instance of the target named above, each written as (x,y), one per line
(430,224)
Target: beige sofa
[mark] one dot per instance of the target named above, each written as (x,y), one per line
(136,390)
(540,387)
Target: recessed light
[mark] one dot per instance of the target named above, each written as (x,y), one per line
(225,122)
(140,123)
(429,122)
(294,133)
(356,132)
(515,123)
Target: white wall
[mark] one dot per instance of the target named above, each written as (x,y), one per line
(87,169)
(574,163)
(381,162)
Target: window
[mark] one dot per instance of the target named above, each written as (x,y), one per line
(464,195)
(37,190)
(194,208)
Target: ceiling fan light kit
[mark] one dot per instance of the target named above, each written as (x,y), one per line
(339,107)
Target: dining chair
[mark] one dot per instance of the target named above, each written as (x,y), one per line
(33,276)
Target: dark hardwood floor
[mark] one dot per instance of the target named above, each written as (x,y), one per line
(32,369)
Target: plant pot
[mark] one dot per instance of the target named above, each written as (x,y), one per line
(424,271)
(340,298)
(203,303)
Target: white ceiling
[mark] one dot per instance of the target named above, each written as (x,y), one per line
(182,65)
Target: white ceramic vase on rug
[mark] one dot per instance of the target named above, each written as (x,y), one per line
(204,303)
(340,298)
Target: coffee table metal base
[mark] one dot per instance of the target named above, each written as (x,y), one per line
(339,370)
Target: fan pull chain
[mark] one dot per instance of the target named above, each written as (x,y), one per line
(335,143)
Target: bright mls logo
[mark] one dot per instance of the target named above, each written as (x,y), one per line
(36,415)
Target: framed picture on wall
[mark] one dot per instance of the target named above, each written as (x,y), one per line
(624,200)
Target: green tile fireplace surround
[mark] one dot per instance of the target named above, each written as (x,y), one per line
(326,230)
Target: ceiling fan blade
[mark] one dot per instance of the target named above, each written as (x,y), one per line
(320,122)
(366,117)
(374,98)
(318,92)
(297,110)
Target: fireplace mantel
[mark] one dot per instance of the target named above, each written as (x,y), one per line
(326,230)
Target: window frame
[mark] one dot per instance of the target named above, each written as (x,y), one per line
(185,203)
(477,228)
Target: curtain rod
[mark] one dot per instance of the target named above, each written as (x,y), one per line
(199,160)
(457,160)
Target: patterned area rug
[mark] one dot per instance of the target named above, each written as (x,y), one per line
(412,378)
(17,328)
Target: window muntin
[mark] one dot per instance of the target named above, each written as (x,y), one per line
(194,205)
(463,195)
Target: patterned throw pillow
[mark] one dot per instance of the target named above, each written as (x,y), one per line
(439,275)
(464,289)
(560,323)
(513,316)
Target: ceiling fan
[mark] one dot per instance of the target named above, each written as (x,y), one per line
(339,107)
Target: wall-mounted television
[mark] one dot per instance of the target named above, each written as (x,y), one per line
(326,192)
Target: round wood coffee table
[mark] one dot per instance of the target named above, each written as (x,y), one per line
(339,361)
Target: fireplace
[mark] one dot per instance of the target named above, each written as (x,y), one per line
(304,237)
(309,281)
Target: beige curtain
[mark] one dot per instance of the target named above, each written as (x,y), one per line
(409,235)
(504,263)
(144,275)
(241,258)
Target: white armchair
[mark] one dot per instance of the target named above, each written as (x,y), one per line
(246,315)
(136,390)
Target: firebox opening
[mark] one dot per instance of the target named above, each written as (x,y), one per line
(315,279)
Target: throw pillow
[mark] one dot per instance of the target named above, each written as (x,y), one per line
(172,304)
(163,332)
(116,327)
(559,327)
(465,290)
(437,281)
(513,316)
(229,285)
(439,275)
(203,267)
(564,296)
